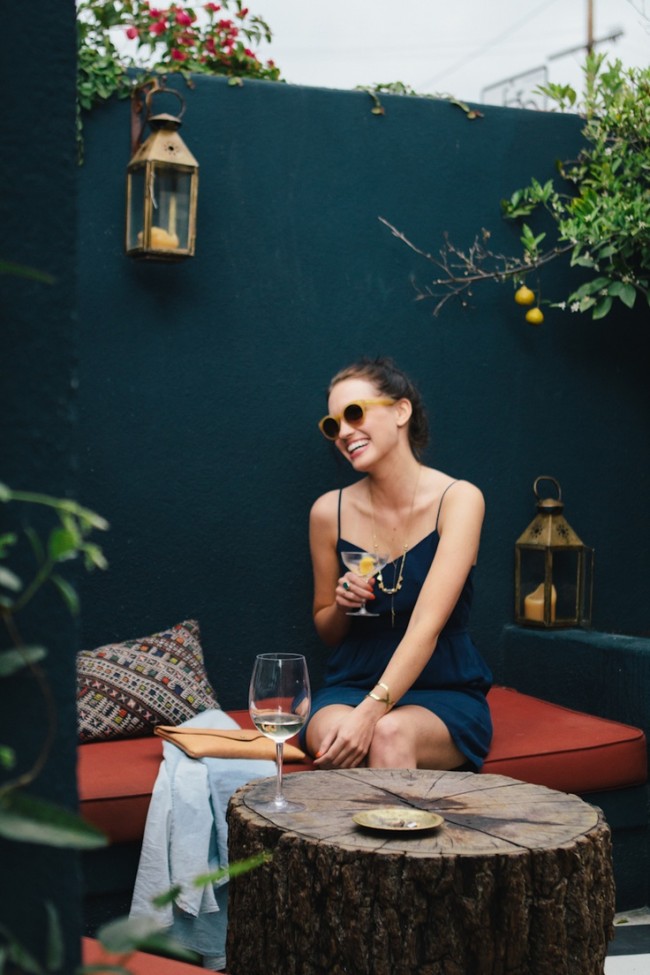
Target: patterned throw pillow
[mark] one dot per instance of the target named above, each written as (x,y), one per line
(125,689)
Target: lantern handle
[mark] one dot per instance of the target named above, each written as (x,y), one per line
(158,89)
(547,477)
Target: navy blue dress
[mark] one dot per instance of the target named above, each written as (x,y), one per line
(454,682)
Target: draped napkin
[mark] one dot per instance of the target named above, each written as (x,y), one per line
(226,743)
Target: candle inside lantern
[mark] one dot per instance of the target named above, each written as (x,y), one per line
(534,604)
(160,239)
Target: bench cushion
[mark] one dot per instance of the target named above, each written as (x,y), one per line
(534,740)
(139,963)
(567,750)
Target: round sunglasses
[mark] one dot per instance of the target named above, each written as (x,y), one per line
(353,414)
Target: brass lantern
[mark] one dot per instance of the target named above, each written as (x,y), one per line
(162,182)
(553,569)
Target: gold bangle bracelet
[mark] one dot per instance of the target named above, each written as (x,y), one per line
(382,700)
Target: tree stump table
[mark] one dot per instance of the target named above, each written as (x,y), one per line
(517,880)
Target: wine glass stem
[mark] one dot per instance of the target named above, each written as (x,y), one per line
(279,755)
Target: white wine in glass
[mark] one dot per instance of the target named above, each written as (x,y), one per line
(364,564)
(279,700)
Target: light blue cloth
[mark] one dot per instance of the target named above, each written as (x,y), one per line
(186,835)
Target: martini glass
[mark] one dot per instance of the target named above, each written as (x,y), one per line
(279,700)
(365,565)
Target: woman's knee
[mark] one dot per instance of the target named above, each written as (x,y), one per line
(393,743)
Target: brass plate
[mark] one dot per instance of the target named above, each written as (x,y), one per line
(398,819)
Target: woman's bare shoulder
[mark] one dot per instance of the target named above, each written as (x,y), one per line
(325,507)
(462,498)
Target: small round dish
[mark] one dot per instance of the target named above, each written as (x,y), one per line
(398,819)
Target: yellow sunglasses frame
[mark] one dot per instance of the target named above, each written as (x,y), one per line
(363,403)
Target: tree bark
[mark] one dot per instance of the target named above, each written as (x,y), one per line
(518,879)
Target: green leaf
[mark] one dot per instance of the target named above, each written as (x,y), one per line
(55,954)
(63,544)
(140,934)
(626,292)
(68,592)
(602,308)
(21,271)
(18,955)
(7,761)
(5,493)
(28,819)
(36,544)
(17,658)
(9,579)
(6,542)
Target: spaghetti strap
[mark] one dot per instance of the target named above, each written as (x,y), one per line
(442,498)
(339,515)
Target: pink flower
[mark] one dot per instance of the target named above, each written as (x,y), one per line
(249,53)
(214,7)
(242,13)
(178,55)
(155,14)
(132,33)
(183,18)
(159,27)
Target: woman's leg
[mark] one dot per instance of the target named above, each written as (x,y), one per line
(322,722)
(413,737)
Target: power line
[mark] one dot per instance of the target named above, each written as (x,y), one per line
(486,47)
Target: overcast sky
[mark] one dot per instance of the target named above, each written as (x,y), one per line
(460,47)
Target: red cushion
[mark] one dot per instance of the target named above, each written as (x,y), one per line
(567,750)
(534,740)
(115,780)
(139,963)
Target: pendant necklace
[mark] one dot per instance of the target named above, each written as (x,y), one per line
(398,578)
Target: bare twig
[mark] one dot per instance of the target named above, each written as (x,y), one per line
(463,269)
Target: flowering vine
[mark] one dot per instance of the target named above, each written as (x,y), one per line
(122,43)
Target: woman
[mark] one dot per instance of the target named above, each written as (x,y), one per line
(407,688)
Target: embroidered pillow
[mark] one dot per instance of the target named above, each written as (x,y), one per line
(125,689)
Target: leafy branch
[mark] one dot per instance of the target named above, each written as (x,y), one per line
(23,817)
(601,225)
(463,269)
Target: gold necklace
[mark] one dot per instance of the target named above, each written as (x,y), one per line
(399,575)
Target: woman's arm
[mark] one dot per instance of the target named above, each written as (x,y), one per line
(461,520)
(329,618)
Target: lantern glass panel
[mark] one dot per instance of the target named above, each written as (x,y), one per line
(135,225)
(566,574)
(532,570)
(170,224)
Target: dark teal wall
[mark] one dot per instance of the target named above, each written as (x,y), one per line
(201,383)
(38,173)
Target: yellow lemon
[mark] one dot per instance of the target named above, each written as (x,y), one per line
(524,296)
(534,316)
(366,565)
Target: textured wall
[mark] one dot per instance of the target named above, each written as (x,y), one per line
(201,383)
(38,173)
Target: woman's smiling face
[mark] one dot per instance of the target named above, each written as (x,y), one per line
(378,431)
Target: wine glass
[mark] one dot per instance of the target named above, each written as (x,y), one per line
(364,564)
(279,700)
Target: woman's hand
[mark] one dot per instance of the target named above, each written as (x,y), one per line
(351,591)
(347,744)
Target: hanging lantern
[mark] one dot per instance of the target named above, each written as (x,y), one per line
(553,569)
(162,181)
